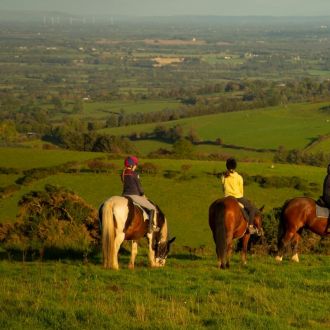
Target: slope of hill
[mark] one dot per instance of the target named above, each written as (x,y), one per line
(292,126)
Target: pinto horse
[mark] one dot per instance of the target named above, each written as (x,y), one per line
(122,220)
(298,213)
(227,223)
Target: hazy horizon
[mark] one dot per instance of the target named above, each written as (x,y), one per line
(175,7)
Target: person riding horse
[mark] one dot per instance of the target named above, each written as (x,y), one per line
(232,183)
(132,188)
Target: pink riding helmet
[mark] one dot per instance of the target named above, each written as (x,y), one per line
(131,161)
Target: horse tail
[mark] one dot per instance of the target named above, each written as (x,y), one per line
(221,242)
(108,234)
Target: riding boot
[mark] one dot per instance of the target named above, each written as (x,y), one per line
(151,220)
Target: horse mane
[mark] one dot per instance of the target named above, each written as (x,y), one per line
(162,234)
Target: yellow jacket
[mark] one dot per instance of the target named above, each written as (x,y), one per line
(232,185)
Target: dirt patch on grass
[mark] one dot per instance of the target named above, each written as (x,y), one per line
(175,42)
(161,61)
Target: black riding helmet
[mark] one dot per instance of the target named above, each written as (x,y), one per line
(231,164)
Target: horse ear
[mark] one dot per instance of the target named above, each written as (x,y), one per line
(171,240)
(262,208)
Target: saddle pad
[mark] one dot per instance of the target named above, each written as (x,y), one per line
(322,212)
(144,212)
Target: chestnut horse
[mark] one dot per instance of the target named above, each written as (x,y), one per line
(227,223)
(122,220)
(298,213)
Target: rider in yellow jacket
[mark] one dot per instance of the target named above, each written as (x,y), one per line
(232,183)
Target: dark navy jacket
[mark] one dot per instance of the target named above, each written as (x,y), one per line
(326,188)
(131,183)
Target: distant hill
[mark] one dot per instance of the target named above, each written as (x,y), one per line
(38,16)
(19,16)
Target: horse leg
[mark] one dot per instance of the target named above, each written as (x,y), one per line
(221,258)
(117,243)
(221,250)
(245,241)
(295,241)
(283,245)
(133,255)
(151,251)
(229,251)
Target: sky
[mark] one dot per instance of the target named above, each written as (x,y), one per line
(175,7)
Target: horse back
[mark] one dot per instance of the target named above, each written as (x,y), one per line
(298,211)
(227,213)
(135,225)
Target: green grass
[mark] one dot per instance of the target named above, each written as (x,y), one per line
(129,106)
(293,126)
(186,294)
(25,158)
(321,146)
(144,147)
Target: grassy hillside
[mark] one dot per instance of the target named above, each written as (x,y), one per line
(320,146)
(184,197)
(293,126)
(25,158)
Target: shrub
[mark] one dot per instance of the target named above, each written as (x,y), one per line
(149,168)
(54,219)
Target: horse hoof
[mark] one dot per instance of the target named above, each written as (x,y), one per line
(295,258)
(278,258)
(130,266)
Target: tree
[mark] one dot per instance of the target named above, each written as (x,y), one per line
(183,148)
(8,132)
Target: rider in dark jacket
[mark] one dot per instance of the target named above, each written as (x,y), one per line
(132,187)
(131,182)
(326,189)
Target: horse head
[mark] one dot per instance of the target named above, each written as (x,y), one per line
(258,221)
(162,249)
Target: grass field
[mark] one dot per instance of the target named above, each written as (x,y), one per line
(25,158)
(190,292)
(294,126)
(186,294)
(106,108)
(321,146)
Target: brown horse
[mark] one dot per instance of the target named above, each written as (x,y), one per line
(122,220)
(297,214)
(227,223)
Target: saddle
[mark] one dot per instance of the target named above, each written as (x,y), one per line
(322,211)
(144,211)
